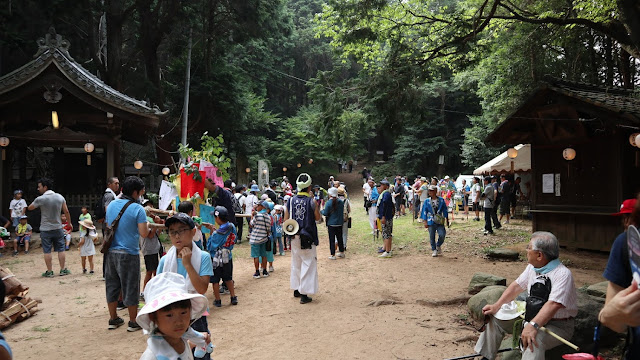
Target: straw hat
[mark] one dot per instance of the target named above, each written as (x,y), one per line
(164,289)
(87,223)
(341,190)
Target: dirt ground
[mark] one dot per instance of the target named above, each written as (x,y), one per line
(269,323)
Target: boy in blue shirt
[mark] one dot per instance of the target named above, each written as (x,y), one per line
(220,245)
(186,259)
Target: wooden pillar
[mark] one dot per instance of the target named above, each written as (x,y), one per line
(117,158)
(58,171)
(110,159)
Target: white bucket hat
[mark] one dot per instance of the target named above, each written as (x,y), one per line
(333,192)
(164,289)
(509,311)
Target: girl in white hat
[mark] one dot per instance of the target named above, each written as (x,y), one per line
(86,247)
(167,316)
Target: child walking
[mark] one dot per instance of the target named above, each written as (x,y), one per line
(67,228)
(85,246)
(23,235)
(220,245)
(167,316)
(260,228)
(278,220)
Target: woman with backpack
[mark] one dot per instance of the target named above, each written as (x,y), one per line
(333,211)
(435,216)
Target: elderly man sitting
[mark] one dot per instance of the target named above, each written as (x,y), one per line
(551,302)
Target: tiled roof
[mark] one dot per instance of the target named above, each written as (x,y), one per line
(619,100)
(54,50)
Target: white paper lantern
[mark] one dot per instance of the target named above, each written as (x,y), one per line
(638,140)
(54,120)
(632,139)
(569,154)
(512,153)
(89,147)
(137,164)
(165,171)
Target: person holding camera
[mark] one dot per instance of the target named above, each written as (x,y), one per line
(304,263)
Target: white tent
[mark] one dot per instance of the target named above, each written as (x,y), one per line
(502,162)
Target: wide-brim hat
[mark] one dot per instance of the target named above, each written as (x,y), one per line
(164,289)
(333,192)
(254,187)
(278,207)
(341,190)
(290,227)
(87,223)
(509,311)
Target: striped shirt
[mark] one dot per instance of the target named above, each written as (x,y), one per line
(563,289)
(260,226)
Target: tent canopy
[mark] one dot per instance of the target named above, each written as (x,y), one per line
(502,162)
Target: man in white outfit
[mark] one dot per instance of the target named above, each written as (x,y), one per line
(304,263)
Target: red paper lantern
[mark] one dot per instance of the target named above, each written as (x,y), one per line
(189,186)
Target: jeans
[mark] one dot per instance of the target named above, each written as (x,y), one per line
(494,217)
(280,244)
(487,219)
(442,232)
(335,232)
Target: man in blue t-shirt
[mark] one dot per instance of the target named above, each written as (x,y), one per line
(188,260)
(622,306)
(385,214)
(122,269)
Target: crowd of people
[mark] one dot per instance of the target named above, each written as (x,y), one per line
(287,220)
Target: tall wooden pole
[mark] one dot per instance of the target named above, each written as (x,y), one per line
(185,118)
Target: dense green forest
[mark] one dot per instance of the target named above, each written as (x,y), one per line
(293,80)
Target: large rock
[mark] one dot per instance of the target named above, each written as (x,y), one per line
(585,322)
(480,281)
(598,289)
(507,342)
(488,295)
(504,254)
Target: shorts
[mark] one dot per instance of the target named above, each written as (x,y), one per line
(52,238)
(15,221)
(466,200)
(224,272)
(476,206)
(258,250)
(151,262)
(387,229)
(514,201)
(122,272)
(23,239)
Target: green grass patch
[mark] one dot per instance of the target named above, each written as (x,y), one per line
(41,328)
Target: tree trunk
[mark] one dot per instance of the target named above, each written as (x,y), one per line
(116,16)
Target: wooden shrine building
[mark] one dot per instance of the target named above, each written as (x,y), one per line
(583,164)
(49,109)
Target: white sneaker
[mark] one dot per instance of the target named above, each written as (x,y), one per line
(340,255)
(271,269)
(434,253)
(439,250)
(331,257)
(385,255)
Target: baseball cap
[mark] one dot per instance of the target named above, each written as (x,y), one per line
(221,212)
(24,217)
(263,203)
(626,207)
(384,182)
(17,192)
(180,218)
(423,179)
(432,187)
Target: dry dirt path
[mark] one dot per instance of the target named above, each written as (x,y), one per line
(269,323)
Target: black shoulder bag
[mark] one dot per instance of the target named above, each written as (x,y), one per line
(110,230)
(538,296)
